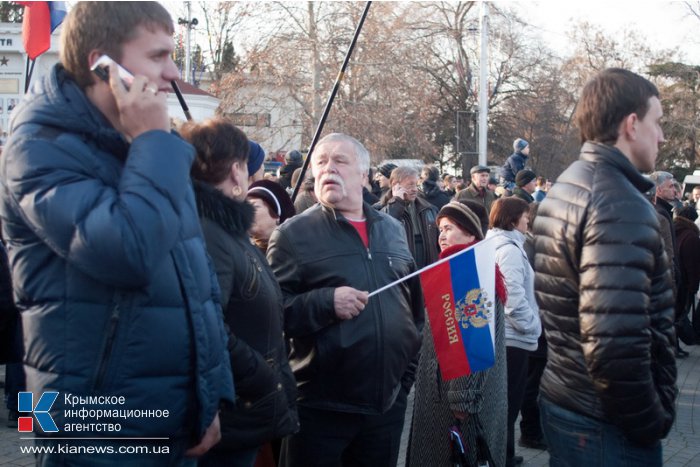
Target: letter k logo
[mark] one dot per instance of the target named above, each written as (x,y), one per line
(25,403)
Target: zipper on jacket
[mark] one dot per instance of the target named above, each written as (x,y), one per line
(369,255)
(391,264)
(107,349)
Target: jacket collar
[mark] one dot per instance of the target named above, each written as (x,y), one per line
(371,214)
(477,190)
(233,216)
(597,152)
(665,205)
(57,102)
(522,194)
(515,236)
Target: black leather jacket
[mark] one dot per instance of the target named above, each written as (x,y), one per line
(253,312)
(603,284)
(427,214)
(356,365)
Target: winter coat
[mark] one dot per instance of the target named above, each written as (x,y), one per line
(253,311)
(523,326)
(110,272)
(483,196)
(514,164)
(286,172)
(604,287)
(433,194)
(368,197)
(306,197)
(665,209)
(518,192)
(688,239)
(356,365)
(427,214)
(9,315)
(482,395)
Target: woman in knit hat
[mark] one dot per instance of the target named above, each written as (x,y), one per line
(272,206)
(477,401)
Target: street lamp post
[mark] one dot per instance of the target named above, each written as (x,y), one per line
(190,23)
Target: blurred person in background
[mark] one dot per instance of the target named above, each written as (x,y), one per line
(272,206)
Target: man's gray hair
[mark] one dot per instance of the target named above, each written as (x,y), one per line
(402,172)
(660,177)
(360,152)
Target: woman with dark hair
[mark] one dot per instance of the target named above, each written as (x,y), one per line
(509,220)
(250,297)
(478,401)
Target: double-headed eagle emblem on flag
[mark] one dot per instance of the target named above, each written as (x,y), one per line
(473,310)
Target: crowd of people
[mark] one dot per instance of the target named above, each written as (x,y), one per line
(165,269)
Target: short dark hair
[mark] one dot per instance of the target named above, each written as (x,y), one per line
(105,26)
(607,99)
(219,143)
(506,212)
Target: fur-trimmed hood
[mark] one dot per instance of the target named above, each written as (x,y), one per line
(235,217)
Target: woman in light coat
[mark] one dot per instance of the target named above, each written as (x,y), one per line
(509,220)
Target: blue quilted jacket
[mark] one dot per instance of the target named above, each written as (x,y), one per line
(117,294)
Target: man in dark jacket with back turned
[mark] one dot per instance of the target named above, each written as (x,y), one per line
(354,358)
(118,299)
(604,287)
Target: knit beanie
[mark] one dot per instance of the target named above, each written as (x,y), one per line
(524,177)
(463,217)
(274,196)
(256,157)
(293,157)
(519,144)
(386,169)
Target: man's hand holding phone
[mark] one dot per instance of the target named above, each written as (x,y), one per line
(399,192)
(142,107)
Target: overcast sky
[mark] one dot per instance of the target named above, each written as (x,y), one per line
(664,24)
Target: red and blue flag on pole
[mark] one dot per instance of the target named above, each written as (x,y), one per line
(40,20)
(460,296)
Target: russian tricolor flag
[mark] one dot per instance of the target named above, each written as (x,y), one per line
(460,298)
(40,20)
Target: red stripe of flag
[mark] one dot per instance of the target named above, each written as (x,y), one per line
(36,28)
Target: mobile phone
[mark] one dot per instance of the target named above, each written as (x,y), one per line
(101,69)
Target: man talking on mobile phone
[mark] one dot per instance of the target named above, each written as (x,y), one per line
(118,300)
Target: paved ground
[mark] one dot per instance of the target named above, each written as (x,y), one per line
(681,448)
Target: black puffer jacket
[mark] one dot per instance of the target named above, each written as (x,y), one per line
(355,365)
(604,288)
(253,311)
